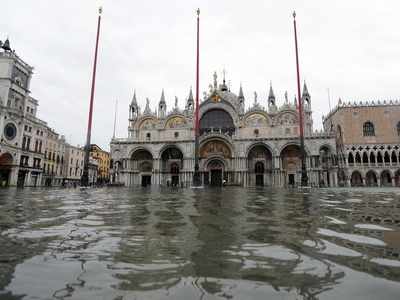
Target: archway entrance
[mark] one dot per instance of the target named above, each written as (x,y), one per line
(371,179)
(356,179)
(142,167)
(216,168)
(216,155)
(171,164)
(5,169)
(259,165)
(386,178)
(291,163)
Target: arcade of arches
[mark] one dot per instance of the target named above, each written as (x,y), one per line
(219,165)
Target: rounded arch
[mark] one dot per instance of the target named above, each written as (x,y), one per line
(356,178)
(293,116)
(216,147)
(280,150)
(147,122)
(166,146)
(142,160)
(256,119)
(386,178)
(257,154)
(175,121)
(397,178)
(291,157)
(371,178)
(262,144)
(139,148)
(226,106)
(171,159)
(216,118)
(6,160)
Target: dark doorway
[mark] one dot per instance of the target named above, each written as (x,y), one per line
(291,179)
(216,177)
(259,179)
(175,180)
(21,179)
(5,177)
(146,180)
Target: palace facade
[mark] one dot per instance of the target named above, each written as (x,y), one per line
(368,142)
(258,146)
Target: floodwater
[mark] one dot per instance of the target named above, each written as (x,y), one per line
(228,243)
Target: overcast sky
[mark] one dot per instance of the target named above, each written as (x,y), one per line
(350,47)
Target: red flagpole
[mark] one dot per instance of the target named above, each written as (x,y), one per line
(197,72)
(304,178)
(196,174)
(85,175)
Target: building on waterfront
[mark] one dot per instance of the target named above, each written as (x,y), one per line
(103,161)
(368,142)
(31,153)
(73,165)
(248,147)
(93,171)
(22,133)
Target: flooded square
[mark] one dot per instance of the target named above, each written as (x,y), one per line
(222,243)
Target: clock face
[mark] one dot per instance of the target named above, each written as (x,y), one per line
(10,131)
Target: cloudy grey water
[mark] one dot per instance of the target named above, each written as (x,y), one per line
(229,243)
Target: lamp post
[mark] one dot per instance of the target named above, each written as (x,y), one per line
(85,174)
(304,177)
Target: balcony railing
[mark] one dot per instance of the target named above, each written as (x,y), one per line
(227,131)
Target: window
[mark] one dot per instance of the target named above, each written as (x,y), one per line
(176,134)
(398,128)
(148,136)
(368,129)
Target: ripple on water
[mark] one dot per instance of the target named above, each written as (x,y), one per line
(361,239)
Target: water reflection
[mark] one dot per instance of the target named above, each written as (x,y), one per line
(229,243)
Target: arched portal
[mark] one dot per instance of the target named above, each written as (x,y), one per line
(397,178)
(171,164)
(356,179)
(259,165)
(386,178)
(216,155)
(291,163)
(215,168)
(142,163)
(6,161)
(371,179)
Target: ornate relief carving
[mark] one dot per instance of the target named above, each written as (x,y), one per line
(176,122)
(215,148)
(148,124)
(256,120)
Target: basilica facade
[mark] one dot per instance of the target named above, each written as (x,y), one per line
(257,146)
